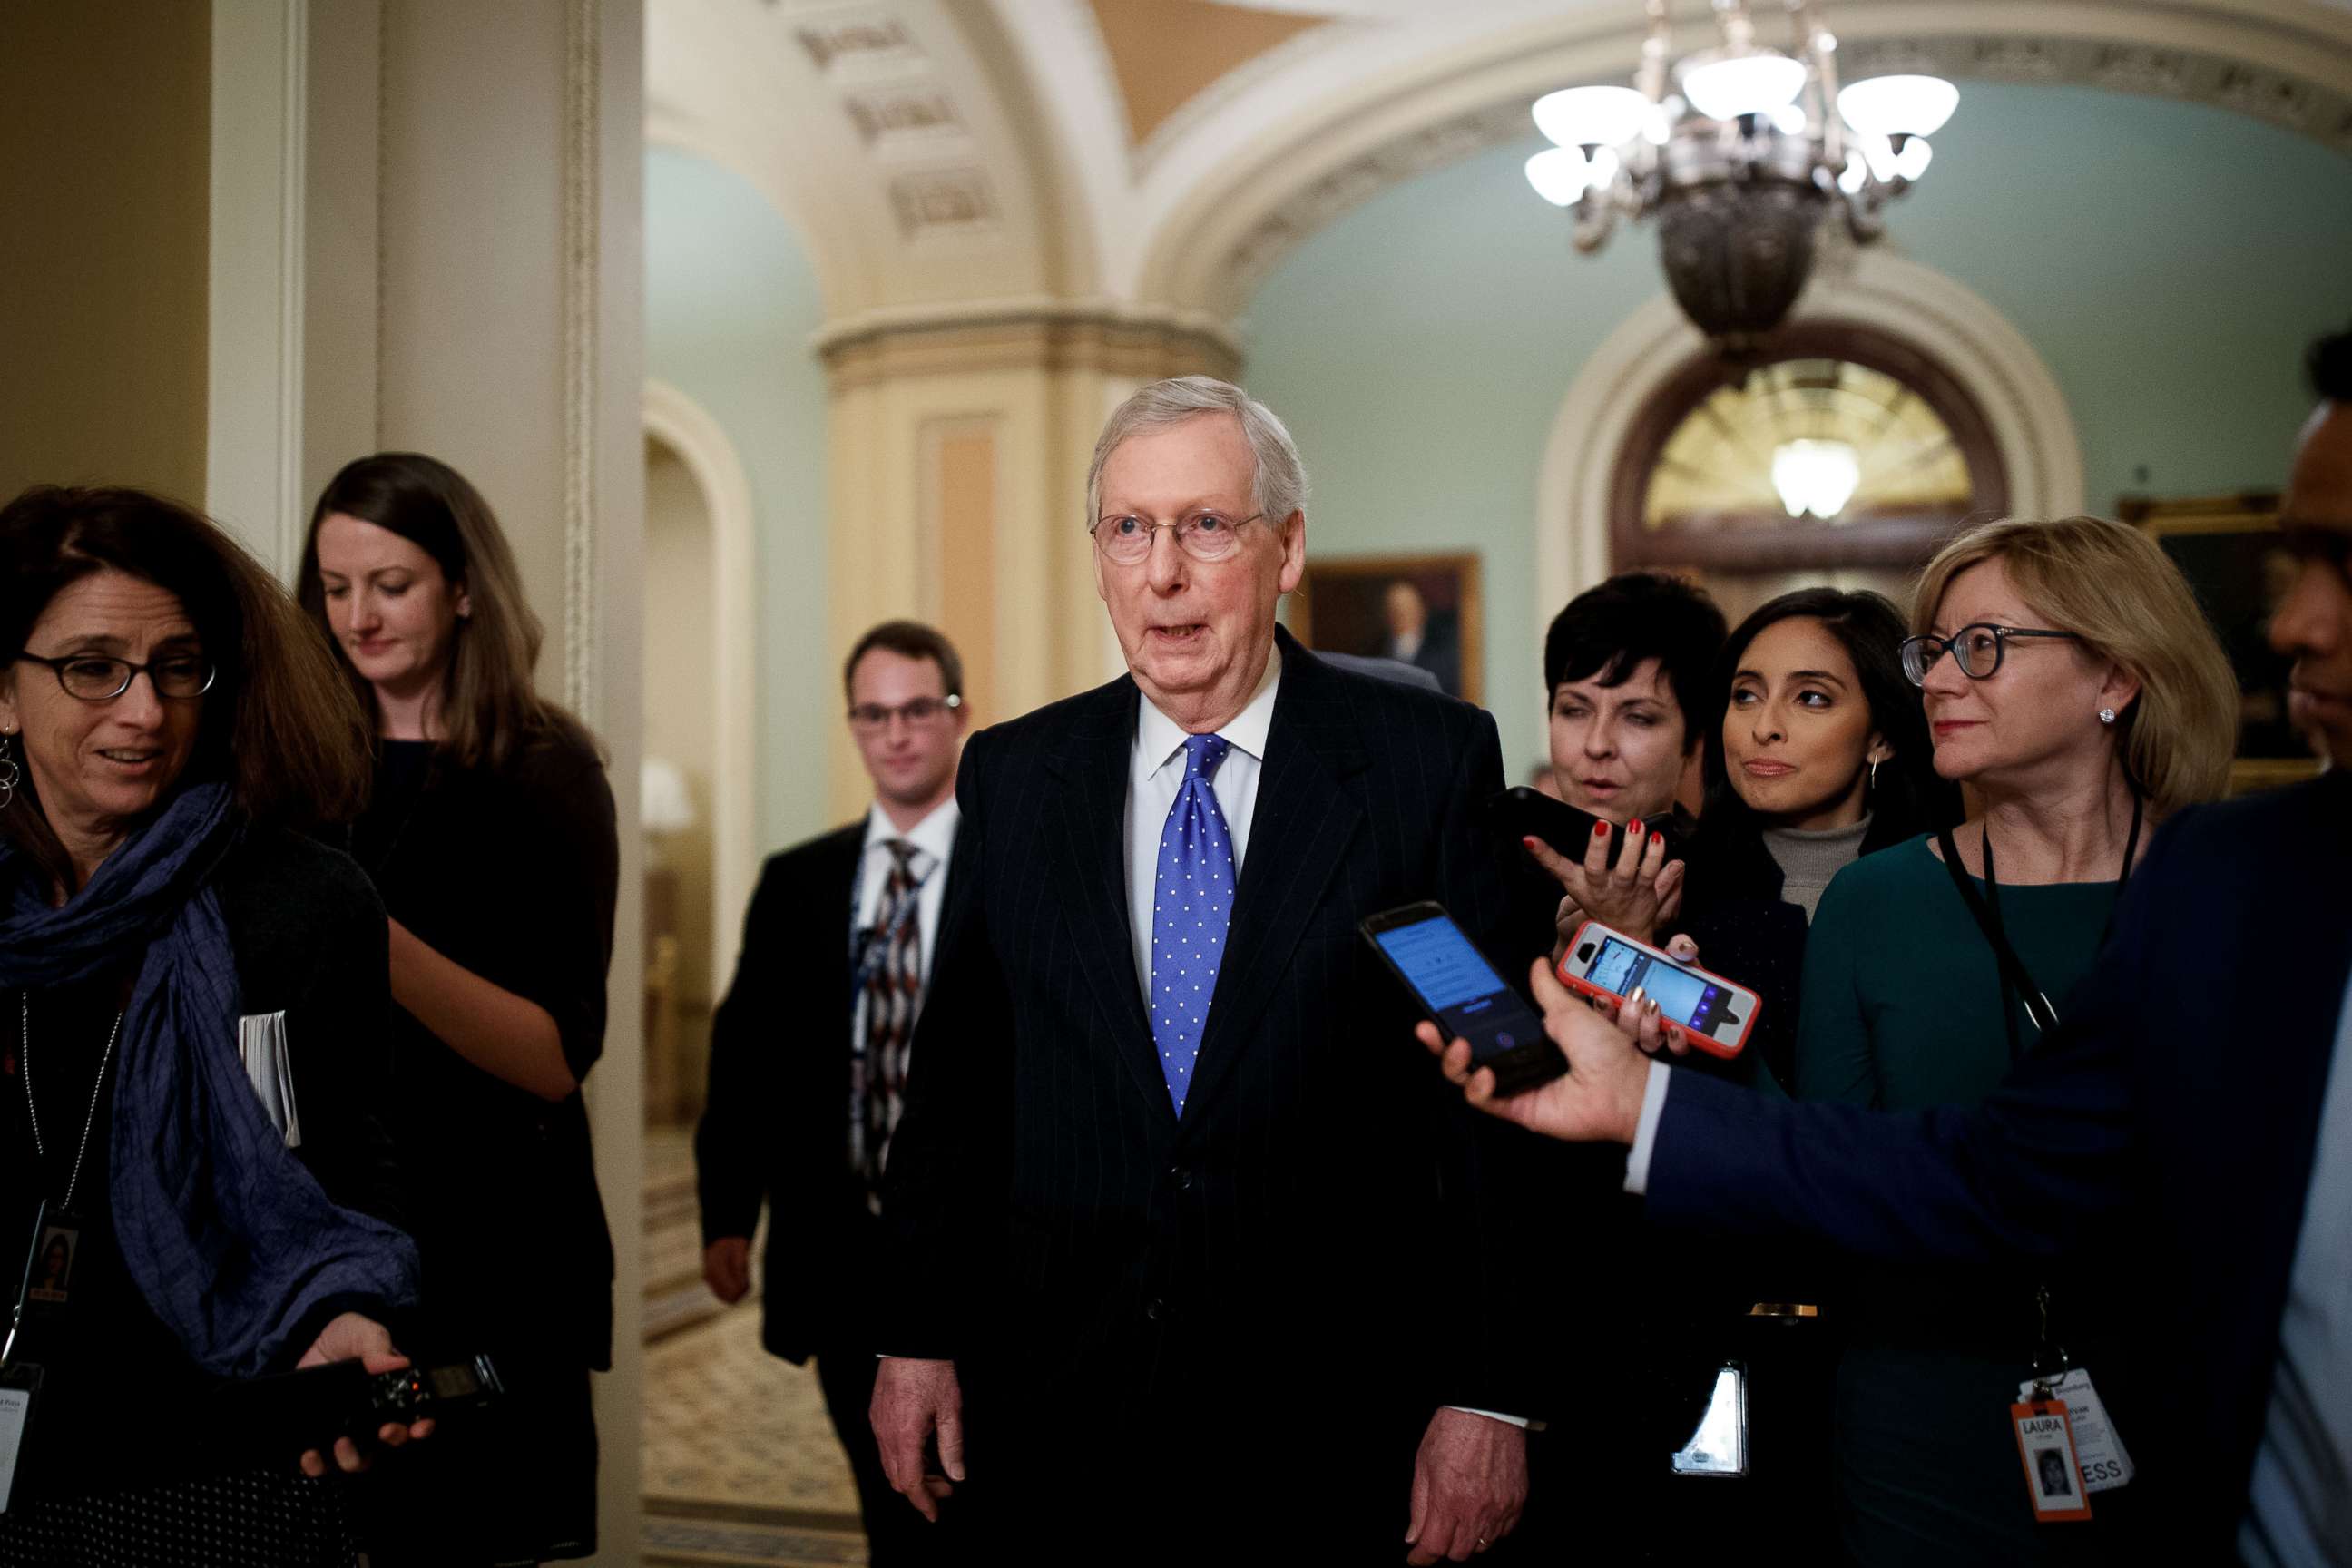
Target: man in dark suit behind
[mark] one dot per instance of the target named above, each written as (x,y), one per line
(2196,1105)
(1182,1238)
(809,1050)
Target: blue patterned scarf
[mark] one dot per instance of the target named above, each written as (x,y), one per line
(229,1238)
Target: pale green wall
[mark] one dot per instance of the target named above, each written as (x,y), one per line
(2169,262)
(732,304)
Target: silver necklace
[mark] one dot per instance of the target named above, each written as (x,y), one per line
(24,1059)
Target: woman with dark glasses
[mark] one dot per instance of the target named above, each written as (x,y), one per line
(2071,682)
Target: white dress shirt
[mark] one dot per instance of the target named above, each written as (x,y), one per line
(934,842)
(1155,772)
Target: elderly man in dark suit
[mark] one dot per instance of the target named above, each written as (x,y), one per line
(1206,1265)
(809,1051)
(2196,1105)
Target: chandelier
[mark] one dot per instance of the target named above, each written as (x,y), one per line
(1739,153)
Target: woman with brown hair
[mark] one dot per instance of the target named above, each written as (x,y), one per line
(167,726)
(2072,682)
(490,834)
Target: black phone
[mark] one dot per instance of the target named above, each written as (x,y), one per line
(1461,992)
(1522,812)
(290,1412)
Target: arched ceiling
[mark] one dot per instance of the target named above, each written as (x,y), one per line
(1155,158)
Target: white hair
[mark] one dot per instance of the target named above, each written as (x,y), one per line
(1277,489)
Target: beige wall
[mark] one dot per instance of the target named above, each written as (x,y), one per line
(104,154)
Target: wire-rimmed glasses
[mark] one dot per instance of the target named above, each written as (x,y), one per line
(917,712)
(1125,539)
(1977,649)
(94,678)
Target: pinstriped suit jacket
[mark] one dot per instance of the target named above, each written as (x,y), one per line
(1322,1225)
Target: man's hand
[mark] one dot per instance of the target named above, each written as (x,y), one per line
(1469,1482)
(1600,1100)
(1636,896)
(913,1400)
(350,1337)
(727,1267)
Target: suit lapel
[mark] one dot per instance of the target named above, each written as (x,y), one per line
(1089,772)
(1301,827)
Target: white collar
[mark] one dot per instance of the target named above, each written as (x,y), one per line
(1157,737)
(934,836)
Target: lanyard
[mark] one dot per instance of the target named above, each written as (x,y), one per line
(868,946)
(24,1061)
(2014,976)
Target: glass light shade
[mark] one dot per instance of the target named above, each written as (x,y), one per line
(1880,154)
(1815,477)
(1912,162)
(1592,116)
(1562,174)
(1658,126)
(1855,176)
(1788,120)
(1898,105)
(665,799)
(1727,88)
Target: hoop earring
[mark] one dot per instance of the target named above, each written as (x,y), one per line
(2106,715)
(9,771)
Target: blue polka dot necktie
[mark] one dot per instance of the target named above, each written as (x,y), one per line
(1191,907)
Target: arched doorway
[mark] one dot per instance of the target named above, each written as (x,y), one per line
(1844,453)
(680,775)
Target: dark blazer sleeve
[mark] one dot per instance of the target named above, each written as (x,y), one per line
(2032,1170)
(948,1173)
(738,1119)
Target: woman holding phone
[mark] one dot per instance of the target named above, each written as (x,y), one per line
(490,834)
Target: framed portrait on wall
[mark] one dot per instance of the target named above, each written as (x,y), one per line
(2229,548)
(1420,610)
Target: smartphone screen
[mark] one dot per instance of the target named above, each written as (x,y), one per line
(1690,1000)
(1459,987)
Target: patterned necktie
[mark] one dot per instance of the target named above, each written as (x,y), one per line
(893,995)
(1192,905)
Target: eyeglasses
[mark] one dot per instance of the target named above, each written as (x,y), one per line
(1977,649)
(1126,540)
(873,716)
(94,678)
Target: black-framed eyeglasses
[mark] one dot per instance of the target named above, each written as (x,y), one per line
(1977,649)
(94,678)
(918,712)
(1124,540)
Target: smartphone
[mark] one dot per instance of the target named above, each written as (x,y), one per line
(1716,1014)
(1522,812)
(1460,990)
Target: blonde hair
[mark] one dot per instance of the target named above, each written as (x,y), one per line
(2113,588)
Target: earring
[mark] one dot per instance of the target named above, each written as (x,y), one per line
(1872,787)
(9,773)
(2106,715)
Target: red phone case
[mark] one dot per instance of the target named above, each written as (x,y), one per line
(1706,1043)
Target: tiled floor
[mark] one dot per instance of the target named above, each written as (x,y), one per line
(741,1464)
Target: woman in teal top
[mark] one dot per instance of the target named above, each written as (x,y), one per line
(2069,679)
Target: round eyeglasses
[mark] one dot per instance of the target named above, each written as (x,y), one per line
(1126,540)
(94,679)
(1977,649)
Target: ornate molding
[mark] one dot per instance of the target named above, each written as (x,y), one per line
(1024,336)
(2303,104)
(583,48)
